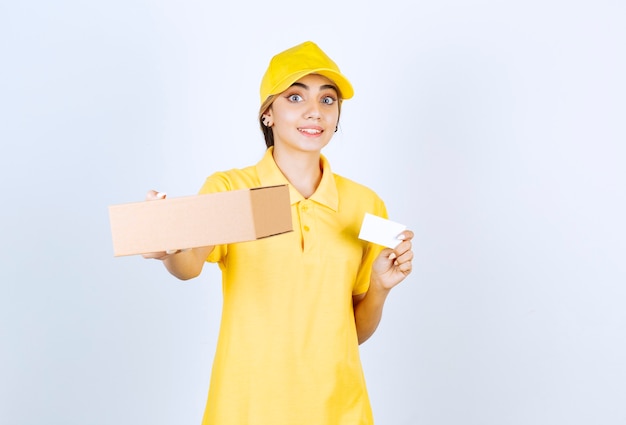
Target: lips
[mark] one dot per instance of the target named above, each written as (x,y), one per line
(311,131)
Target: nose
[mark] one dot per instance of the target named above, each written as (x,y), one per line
(313,110)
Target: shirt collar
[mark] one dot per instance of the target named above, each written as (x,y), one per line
(325,194)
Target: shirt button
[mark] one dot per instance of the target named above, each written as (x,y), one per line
(306,228)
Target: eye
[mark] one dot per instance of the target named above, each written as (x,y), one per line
(294,98)
(328,100)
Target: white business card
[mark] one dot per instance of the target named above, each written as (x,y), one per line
(381,231)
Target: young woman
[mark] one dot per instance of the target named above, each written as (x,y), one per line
(297,305)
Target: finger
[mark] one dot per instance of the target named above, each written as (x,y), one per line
(153,195)
(176,251)
(405,267)
(406,235)
(405,257)
(155,255)
(403,247)
(405,241)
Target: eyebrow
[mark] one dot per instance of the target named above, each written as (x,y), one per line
(323,87)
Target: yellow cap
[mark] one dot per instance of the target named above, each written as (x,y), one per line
(289,66)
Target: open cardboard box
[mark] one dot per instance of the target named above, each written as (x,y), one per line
(200,220)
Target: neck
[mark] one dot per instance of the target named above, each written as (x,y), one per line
(302,169)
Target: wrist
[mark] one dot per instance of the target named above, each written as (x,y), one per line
(377,287)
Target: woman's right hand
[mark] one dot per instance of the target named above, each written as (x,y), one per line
(182,263)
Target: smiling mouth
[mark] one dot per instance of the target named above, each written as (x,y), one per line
(310,130)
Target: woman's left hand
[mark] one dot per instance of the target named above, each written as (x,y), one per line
(393,265)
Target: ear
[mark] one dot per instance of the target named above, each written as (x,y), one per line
(267,118)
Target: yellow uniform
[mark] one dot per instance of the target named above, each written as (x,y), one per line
(287,352)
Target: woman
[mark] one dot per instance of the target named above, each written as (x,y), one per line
(297,305)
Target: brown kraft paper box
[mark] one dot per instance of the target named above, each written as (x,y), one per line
(200,220)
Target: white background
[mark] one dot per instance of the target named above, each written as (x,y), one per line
(495,130)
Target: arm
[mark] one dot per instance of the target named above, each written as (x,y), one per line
(184,264)
(389,269)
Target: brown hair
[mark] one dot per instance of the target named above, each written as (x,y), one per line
(268,134)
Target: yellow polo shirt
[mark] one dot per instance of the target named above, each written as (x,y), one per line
(287,352)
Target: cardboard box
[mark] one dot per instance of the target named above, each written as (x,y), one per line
(200,220)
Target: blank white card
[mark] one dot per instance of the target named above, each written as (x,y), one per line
(381,231)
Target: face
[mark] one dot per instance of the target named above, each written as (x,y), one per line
(304,117)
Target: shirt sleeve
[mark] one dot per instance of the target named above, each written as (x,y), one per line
(371,252)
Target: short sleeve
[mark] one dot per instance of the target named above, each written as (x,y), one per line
(372,251)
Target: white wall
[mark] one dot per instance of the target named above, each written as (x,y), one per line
(494,129)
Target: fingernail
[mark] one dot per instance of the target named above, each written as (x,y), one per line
(161,195)
(171,251)
(392,256)
(400,236)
